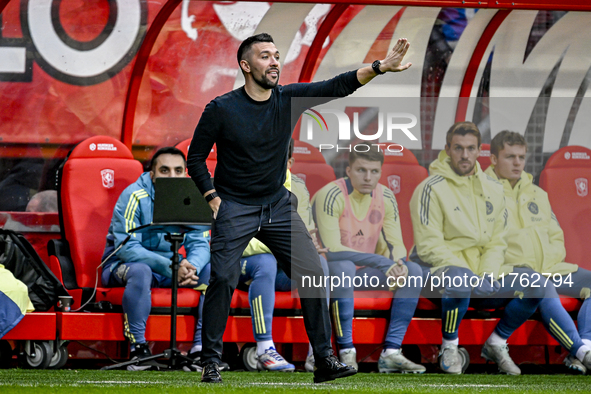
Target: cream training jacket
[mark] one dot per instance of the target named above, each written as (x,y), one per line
(460,220)
(534,237)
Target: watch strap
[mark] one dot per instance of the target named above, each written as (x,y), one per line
(376,67)
(211,196)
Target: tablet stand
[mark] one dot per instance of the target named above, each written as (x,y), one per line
(175,235)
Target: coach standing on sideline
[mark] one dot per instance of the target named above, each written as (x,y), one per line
(251,128)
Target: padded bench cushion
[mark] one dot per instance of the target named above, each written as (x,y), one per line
(186,298)
(283,300)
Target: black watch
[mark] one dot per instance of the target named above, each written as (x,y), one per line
(211,196)
(376,67)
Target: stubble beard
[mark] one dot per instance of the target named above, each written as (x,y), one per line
(265,83)
(459,171)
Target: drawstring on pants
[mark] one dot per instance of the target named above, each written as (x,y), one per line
(261,216)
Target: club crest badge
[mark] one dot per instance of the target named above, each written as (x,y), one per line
(108,177)
(582,186)
(394,183)
(533,208)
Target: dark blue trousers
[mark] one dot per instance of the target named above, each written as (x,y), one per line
(278,226)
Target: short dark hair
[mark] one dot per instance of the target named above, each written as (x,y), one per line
(248,43)
(462,128)
(167,150)
(506,137)
(290,151)
(373,154)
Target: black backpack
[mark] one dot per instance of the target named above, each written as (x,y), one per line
(19,257)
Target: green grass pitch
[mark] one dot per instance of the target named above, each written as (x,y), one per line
(115,382)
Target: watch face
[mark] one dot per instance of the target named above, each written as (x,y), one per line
(376,67)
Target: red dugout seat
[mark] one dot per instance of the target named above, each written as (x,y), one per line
(402,173)
(211,161)
(311,166)
(91,180)
(484,158)
(566,177)
(93,176)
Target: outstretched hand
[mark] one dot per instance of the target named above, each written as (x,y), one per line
(393,60)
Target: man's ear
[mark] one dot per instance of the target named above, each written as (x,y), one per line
(290,163)
(245,66)
(152,175)
(493,159)
(348,171)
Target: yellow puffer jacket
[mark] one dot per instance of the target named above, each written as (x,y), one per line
(534,237)
(460,220)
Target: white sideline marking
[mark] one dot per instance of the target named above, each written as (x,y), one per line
(312,385)
(82,382)
(119,382)
(465,385)
(413,385)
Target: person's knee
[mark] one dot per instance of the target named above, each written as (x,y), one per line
(456,281)
(540,292)
(225,278)
(138,275)
(413,268)
(548,289)
(264,266)
(342,269)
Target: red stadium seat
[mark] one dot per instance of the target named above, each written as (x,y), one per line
(566,177)
(211,161)
(484,158)
(311,166)
(402,173)
(93,176)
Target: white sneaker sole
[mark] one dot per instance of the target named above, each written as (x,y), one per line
(392,370)
(499,368)
(260,368)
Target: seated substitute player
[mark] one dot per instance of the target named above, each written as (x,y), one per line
(144,261)
(460,223)
(358,222)
(258,268)
(536,240)
(14,301)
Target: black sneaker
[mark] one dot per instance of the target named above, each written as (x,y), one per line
(330,368)
(141,351)
(211,373)
(196,356)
